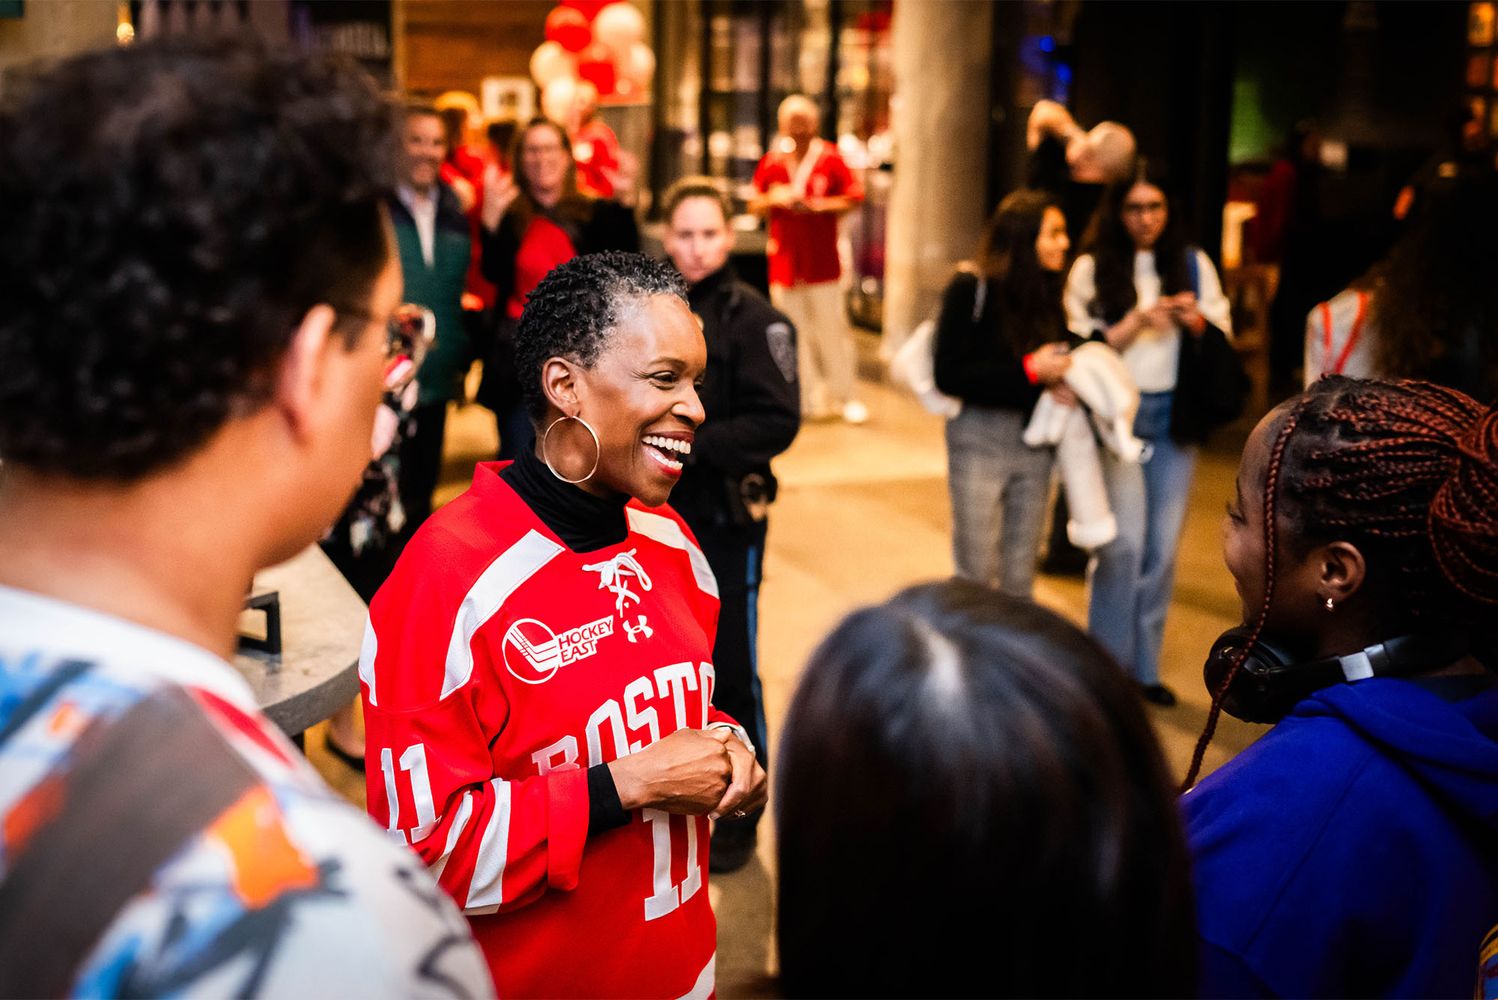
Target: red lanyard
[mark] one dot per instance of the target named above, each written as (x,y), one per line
(1352,335)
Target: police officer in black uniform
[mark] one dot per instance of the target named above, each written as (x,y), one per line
(753,405)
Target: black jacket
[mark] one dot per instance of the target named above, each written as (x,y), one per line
(752,399)
(978,362)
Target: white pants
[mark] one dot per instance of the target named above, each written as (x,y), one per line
(824,351)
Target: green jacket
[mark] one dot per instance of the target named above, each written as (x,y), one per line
(440,289)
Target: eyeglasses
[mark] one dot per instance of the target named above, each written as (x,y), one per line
(1141,208)
(409,332)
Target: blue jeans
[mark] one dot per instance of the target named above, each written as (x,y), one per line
(1130,579)
(1000,487)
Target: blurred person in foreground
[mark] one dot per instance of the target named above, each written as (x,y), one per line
(753,413)
(198,271)
(971,802)
(804,187)
(538,676)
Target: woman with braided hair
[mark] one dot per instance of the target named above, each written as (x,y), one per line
(1349,852)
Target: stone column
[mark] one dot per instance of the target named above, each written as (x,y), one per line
(940,118)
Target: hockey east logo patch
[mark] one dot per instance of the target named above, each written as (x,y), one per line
(534,653)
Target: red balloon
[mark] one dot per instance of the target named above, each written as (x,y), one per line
(568,28)
(588,8)
(598,69)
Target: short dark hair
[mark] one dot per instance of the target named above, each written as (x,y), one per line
(970,799)
(575,308)
(172,210)
(694,187)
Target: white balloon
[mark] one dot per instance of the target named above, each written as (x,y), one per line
(558,99)
(638,65)
(618,26)
(551,62)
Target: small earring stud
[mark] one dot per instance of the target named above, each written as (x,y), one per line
(1329,605)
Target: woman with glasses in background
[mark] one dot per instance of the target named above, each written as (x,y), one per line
(530,222)
(1142,287)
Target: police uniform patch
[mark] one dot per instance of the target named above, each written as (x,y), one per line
(782,349)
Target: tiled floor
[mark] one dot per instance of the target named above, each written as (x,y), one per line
(863,512)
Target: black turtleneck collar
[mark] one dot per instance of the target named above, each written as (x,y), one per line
(709,286)
(581,520)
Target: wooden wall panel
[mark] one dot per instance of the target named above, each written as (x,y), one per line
(453,44)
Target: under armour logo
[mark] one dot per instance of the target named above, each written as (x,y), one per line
(616,573)
(642,627)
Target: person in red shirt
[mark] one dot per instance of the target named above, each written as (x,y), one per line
(537,675)
(595,147)
(463,171)
(804,186)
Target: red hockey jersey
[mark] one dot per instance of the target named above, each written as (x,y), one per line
(499,665)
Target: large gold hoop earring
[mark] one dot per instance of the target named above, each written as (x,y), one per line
(597,449)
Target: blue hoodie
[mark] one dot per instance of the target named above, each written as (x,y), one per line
(1351,851)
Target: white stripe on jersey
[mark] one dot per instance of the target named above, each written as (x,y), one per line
(465,812)
(666,531)
(504,576)
(706,981)
(485,890)
(367,650)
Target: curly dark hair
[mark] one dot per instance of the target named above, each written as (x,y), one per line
(970,734)
(1112,247)
(575,308)
(172,210)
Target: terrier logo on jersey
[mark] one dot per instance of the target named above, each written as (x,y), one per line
(534,653)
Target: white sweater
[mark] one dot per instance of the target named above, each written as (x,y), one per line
(1154,355)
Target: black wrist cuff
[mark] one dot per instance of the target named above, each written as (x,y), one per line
(604,809)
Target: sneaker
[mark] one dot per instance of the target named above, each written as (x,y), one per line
(855,412)
(733,844)
(1158,694)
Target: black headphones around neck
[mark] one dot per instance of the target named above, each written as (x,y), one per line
(1270,683)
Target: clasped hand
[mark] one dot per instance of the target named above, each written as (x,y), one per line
(692,772)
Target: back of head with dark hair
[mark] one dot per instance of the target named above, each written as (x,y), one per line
(574,309)
(1435,301)
(1029,295)
(971,801)
(1113,249)
(172,210)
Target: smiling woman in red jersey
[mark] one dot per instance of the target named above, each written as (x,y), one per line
(538,674)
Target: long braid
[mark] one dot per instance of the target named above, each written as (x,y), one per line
(1271,488)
